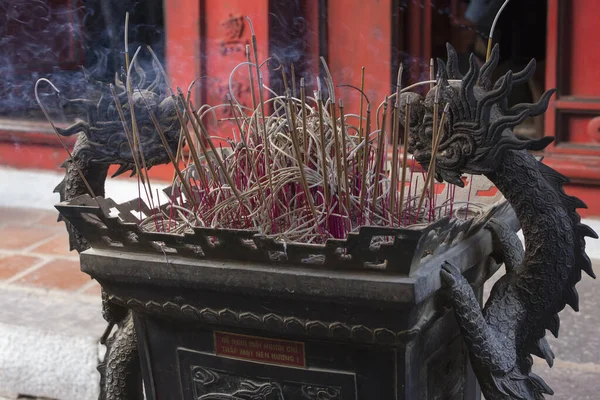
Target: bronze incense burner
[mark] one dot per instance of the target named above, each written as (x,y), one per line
(232,314)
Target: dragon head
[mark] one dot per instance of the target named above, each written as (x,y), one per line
(478,128)
(104,139)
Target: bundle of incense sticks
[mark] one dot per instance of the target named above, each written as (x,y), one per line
(306,171)
(300,167)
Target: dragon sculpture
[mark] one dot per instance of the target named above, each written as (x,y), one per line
(477,140)
(540,280)
(101,142)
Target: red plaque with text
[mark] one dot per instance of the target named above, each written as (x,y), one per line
(269,351)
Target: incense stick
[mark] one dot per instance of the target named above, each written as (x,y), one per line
(404,156)
(125,129)
(304,132)
(262,105)
(126,40)
(323,148)
(344,155)
(253,94)
(363,185)
(63,144)
(134,130)
(436,105)
(378,161)
(490,38)
(395,140)
(294,137)
(431,73)
(360,115)
(293,72)
(430,175)
(165,143)
(338,158)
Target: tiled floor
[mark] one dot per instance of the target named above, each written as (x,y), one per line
(34,252)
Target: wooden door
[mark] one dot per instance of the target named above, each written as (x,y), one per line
(573,117)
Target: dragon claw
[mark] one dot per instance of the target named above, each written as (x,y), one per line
(450,274)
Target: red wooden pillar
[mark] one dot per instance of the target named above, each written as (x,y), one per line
(573,118)
(182,45)
(205,41)
(360,34)
(226,34)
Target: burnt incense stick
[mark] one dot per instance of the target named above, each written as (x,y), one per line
(430,174)
(200,141)
(136,135)
(361,104)
(217,156)
(437,143)
(125,129)
(379,160)
(404,156)
(193,143)
(162,70)
(284,77)
(336,141)
(436,106)
(328,80)
(126,40)
(262,106)
(323,148)
(60,139)
(249,154)
(179,152)
(344,155)
(365,161)
(170,90)
(252,92)
(294,137)
(293,72)
(395,143)
(195,157)
(338,157)
(165,143)
(394,166)
(129,91)
(304,131)
(132,147)
(431,74)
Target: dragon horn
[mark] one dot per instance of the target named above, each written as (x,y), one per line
(535,109)
(485,79)
(468,83)
(485,105)
(522,76)
(442,72)
(452,66)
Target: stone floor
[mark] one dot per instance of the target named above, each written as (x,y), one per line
(34,258)
(50,318)
(34,252)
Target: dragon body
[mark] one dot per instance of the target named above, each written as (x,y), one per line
(540,281)
(101,142)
